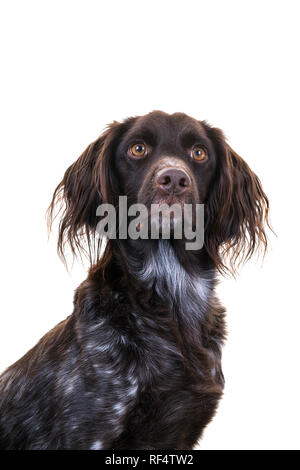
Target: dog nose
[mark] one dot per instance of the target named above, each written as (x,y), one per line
(173,180)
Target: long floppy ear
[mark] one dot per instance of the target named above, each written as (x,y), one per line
(236,210)
(85,185)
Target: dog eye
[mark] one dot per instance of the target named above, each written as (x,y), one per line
(199,153)
(138,150)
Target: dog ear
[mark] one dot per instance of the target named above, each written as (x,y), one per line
(85,185)
(236,210)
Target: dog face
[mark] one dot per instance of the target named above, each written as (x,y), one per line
(165,159)
(161,158)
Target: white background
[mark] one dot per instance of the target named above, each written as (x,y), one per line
(70,67)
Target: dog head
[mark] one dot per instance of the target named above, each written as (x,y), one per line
(160,158)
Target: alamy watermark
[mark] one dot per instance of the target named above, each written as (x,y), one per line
(176,221)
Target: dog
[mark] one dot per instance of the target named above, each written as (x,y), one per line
(137,365)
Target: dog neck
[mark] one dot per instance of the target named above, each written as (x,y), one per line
(182,279)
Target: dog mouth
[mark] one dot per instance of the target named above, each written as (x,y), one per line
(167,215)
